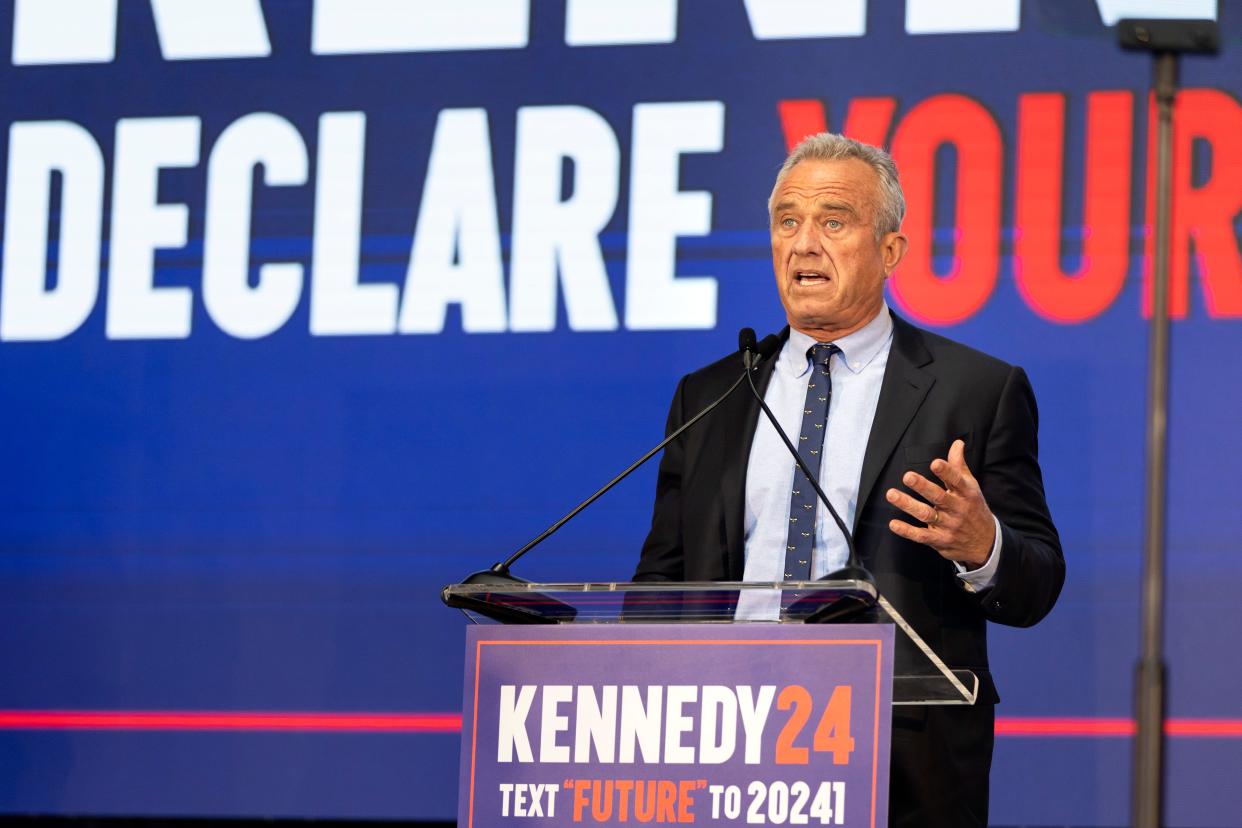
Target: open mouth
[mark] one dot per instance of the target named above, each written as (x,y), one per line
(810,277)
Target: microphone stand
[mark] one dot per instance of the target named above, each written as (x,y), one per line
(1165,40)
(853,569)
(499,572)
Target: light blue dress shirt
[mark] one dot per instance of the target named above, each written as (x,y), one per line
(857,375)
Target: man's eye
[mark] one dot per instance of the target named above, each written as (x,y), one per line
(788,222)
(833,224)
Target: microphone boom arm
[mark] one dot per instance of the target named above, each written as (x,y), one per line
(853,567)
(503,568)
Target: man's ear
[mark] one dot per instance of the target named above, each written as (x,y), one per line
(893,249)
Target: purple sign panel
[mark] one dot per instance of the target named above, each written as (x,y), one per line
(645,723)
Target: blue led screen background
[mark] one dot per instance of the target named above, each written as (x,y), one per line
(328,313)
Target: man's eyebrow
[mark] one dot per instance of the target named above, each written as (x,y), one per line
(837,206)
(823,207)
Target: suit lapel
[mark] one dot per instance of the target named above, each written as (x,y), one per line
(904,388)
(740,419)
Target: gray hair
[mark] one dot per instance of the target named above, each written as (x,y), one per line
(828,146)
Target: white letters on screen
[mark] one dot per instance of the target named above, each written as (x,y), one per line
(655,297)
(612,23)
(456,254)
(64,31)
(783,19)
(1113,10)
(239,309)
(28,309)
(365,26)
(84,31)
(548,232)
(948,16)
(339,304)
(137,309)
(190,30)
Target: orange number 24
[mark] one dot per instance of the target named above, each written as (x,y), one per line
(832,734)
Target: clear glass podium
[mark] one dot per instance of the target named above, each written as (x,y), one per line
(920,676)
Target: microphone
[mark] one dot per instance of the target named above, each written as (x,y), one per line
(752,355)
(746,344)
(853,569)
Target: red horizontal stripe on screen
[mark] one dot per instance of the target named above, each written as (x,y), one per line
(310,722)
(1209,728)
(218,720)
(1066,726)
(1105,727)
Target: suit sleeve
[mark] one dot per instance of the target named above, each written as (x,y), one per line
(662,555)
(1032,567)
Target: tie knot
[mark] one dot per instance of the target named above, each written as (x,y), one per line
(821,353)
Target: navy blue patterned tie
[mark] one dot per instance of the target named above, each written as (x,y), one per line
(802,501)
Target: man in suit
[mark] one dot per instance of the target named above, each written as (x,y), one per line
(925,447)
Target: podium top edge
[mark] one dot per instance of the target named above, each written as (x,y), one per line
(850,585)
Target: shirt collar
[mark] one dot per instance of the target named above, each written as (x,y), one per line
(857,349)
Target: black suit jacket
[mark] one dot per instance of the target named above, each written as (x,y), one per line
(934,391)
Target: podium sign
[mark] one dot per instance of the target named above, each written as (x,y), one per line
(638,724)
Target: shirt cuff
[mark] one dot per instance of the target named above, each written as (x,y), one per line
(977,580)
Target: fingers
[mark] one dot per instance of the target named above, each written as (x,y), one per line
(909,532)
(932,493)
(959,525)
(954,472)
(957,453)
(916,509)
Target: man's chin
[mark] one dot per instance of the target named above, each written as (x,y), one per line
(814,319)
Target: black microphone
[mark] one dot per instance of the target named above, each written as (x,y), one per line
(752,355)
(746,344)
(853,569)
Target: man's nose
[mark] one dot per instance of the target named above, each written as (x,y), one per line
(806,241)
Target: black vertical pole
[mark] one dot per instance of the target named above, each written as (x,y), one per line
(1165,40)
(1148,807)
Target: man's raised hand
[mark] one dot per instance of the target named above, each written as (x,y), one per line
(958,523)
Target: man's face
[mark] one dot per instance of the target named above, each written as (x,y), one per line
(830,268)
